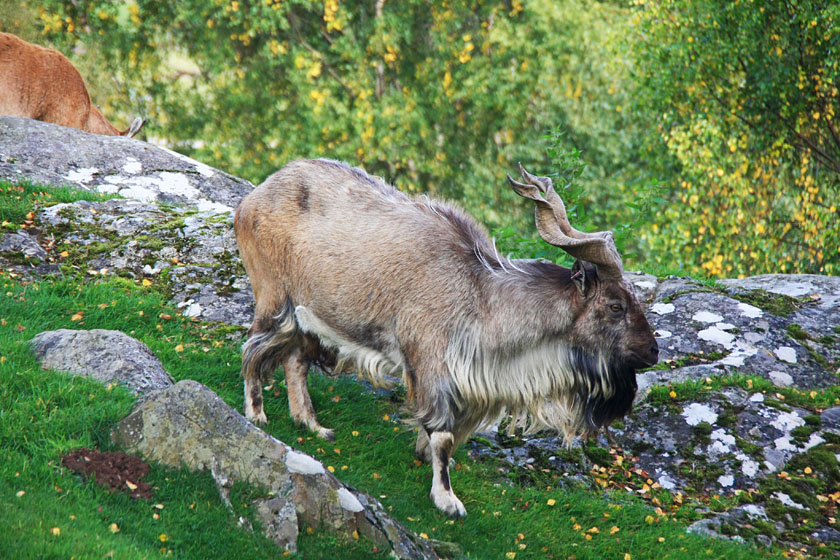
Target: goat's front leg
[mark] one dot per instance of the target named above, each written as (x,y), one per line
(441,447)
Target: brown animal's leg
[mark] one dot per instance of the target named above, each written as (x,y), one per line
(270,339)
(422,449)
(442,445)
(296,365)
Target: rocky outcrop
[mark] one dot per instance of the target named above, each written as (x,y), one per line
(737,404)
(189,424)
(103,355)
(38,152)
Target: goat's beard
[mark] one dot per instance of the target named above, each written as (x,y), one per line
(599,411)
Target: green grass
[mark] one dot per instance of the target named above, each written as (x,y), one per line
(45,414)
(18,199)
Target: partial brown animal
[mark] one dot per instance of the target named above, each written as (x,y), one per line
(346,268)
(39,83)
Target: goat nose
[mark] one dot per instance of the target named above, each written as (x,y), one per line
(654,350)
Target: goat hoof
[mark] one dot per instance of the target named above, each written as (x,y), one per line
(257,419)
(450,505)
(326,434)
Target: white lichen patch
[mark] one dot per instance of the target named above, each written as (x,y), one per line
(786,354)
(666,482)
(193,310)
(177,184)
(662,308)
(696,413)
(749,311)
(644,284)
(721,442)
(83,175)
(787,421)
(726,480)
(661,333)
(204,205)
(737,357)
(717,336)
(749,467)
(725,326)
(781,378)
(707,317)
(813,441)
(348,501)
(757,397)
(301,463)
(784,443)
(787,500)
(132,166)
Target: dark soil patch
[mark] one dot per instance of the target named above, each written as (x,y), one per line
(115,470)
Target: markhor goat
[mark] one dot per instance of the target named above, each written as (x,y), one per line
(346,268)
(38,83)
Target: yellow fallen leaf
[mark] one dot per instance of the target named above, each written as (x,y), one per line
(551,502)
(146,282)
(661,539)
(114,528)
(649,519)
(131,485)
(672,394)
(424,536)
(593,530)
(158,506)
(179,348)
(77,317)
(163,537)
(614,530)
(20,493)
(55,531)
(331,468)
(627,556)
(356,535)
(355,433)
(807,470)
(576,527)
(102,305)
(510,555)
(588,537)
(64,254)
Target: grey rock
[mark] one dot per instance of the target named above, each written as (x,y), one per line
(22,242)
(827,535)
(830,420)
(691,320)
(189,424)
(644,284)
(279,520)
(38,151)
(104,355)
(196,251)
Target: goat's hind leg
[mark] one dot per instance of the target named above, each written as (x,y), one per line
(267,344)
(296,366)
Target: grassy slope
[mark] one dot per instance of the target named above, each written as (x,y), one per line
(44,414)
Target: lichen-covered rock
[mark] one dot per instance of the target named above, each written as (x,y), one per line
(193,254)
(740,330)
(104,355)
(189,424)
(38,151)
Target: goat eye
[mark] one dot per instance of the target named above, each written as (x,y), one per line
(616,308)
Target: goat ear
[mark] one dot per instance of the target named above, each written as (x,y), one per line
(579,277)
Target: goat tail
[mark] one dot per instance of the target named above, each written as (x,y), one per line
(266,348)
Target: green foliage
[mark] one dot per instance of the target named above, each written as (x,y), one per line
(745,95)
(441,98)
